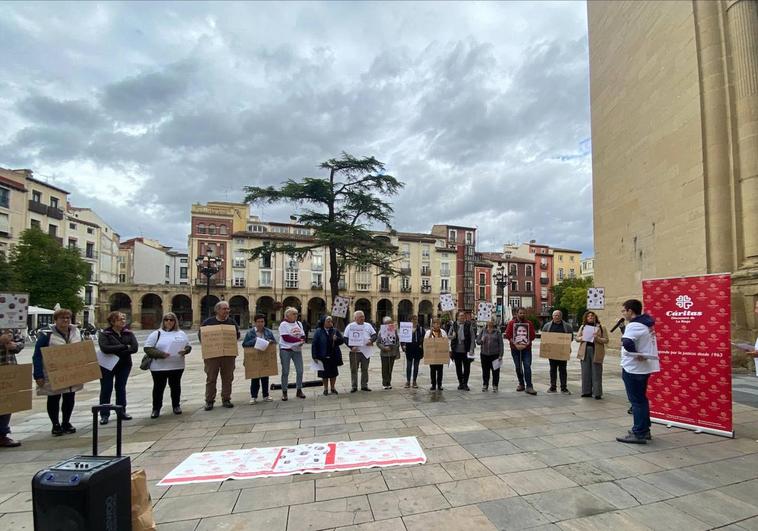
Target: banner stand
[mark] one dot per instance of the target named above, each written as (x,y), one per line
(696,429)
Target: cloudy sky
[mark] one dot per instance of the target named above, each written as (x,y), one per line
(141,109)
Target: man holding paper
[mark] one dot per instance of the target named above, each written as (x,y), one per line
(639,359)
(219,364)
(360,337)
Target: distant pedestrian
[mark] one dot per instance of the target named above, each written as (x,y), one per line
(118,340)
(491,355)
(414,353)
(639,359)
(60,402)
(167,347)
(223,365)
(520,335)
(11,343)
(558,325)
(291,339)
(389,349)
(326,349)
(591,354)
(435,371)
(360,355)
(259,331)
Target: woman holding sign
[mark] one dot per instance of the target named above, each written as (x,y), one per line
(592,338)
(116,340)
(435,371)
(491,341)
(291,339)
(326,349)
(259,337)
(62,332)
(414,351)
(389,349)
(167,347)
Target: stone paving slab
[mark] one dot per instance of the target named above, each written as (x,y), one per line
(494,461)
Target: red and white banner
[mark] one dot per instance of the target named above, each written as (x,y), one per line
(288,460)
(692,318)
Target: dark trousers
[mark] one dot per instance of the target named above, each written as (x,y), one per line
(255,386)
(559,367)
(435,373)
(120,374)
(462,367)
(5,425)
(592,374)
(388,363)
(636,392)
(487,369)
(522,360)
(411,367)
(174,380)
(54,406)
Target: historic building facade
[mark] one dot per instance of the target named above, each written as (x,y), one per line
(674,97)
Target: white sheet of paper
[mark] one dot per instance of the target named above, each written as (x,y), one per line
(106,361)
(496,364)
(175,346)
(357,338)
(405,332)
(316,365)
(260,344)
(451,364)
(588,333)
(471,355)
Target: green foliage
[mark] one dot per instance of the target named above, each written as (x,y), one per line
(570,296)
(49,272)
(533,316)
(7,276)
(340,210)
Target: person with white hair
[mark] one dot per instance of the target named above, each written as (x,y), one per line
(291,339)
(389,350)
(360,337)
(221,364)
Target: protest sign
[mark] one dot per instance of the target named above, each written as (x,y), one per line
(15,388)
(555,346)
(13,310)
(339,306)
(446,302)
(218,340)
(436,350)
(595,298)
(405,332)
(260,363)
(484,311)
(71,364)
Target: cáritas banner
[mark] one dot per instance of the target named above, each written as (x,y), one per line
(694,387)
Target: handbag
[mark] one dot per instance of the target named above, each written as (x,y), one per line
(146,359)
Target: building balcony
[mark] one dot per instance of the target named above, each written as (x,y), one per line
(214,282)
(317,267)
(363,287)
(238,283)
(264,284)
(405,271)
(317,285)
(384,289)
(544,281)
(239,264)
(6,233)
(426,289)
(91,255)
(426,272)
(342,285)
(290,284)
(543,266)
(39,208)
(54,212)
(405,289)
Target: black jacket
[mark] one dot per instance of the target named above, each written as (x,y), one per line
(123,345)
(415,349)
(468,336)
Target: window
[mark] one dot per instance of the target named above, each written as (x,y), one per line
(36,196)
(529,271)
(168,271)
(88,295)
(302,231)
(515,302)
(444,284)
(222,230)
(444,269)
(405,284)
(265,261)
(406,250)
(90,230)
(183,272)
(256,228)
(317,262)
(452,235)
(72,226)
(514,285)
(384,283)
(291,263)
(238,279)
(283,230)
(481,293)
(571,258)
(54,202)
(90,250)
(239,261)
(543,293)
(528,286)
(291,279)
(72,243)
(425,285)
(560,273)
(183,260)
(122,278)
(52,230)
(425,252)
(317,280)
(560,258)
(514,269)
(469,237)
(5,224)
(265,279)
(572,274)
(36,224)
(482,278)
(212,228)
(544,307)
(201,228)
(5,195)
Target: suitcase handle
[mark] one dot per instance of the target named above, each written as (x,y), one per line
(96,410)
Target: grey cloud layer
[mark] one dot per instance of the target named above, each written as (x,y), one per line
(472,105)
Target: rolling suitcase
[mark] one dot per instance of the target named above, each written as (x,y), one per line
(85,492)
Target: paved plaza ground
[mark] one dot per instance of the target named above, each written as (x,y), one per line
(495,461)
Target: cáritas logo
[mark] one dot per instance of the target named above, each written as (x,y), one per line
(684,302)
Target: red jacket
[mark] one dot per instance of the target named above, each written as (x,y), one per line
(509,331)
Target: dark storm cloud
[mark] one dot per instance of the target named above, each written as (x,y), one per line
(486,123)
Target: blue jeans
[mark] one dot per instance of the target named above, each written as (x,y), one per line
(5,421)
(255,386)
(285,355)
(120,374)
(636,392)
(522,359)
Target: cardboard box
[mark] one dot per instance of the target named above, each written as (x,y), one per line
(260,363)
(555,346)
(436,351)
(71,364)
(15,388)
(218,341)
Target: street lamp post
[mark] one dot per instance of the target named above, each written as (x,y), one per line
(208,265)
(500,281)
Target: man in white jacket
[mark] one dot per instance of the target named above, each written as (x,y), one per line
(639,359)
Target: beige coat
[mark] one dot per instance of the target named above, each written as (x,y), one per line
(600,341)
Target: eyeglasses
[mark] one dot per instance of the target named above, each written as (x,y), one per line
(169,319)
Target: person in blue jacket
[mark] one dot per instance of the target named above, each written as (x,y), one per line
(260,331)
(326,349)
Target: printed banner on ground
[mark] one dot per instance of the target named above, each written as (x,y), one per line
(218,340)
(289,460)
(15,388)
(436,350)
(260,363)
(692,317)
(71,364)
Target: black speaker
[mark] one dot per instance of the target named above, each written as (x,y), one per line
(85,492)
